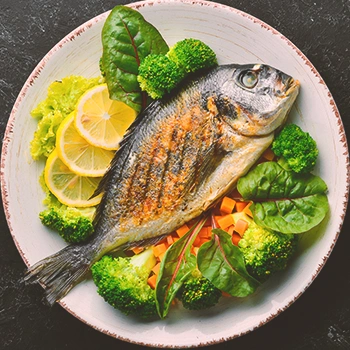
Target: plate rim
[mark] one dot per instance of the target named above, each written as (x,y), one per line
(137,5)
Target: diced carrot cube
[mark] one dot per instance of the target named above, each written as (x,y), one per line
(227,205)
(137,250)
(230,229)
(247,210)
(224,294)
(181,231)
(161,256)
(241,226)
(159,249)
(197,241)
(235,238)
(205,232)
(268,154)
(156,269)
(203,240)
(225,221)
(241,205)
(170,239)
(152,280)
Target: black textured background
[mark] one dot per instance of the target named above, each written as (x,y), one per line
(320,319)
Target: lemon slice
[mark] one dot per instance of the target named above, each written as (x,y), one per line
(79,155)
(70,188)
(100,120)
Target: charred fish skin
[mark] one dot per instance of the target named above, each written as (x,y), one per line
(180,155)
(180,141)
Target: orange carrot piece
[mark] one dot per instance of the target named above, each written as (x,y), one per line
(205,232)
(137,250)
(230,229)
(156,269)
(241,226)
(181,231)
(235,238)
(196,241)
(161,256)
(203,240)
(152,280)
(247,210)
(241,205)
(159,249)
(224,294)
(170,239)
(217,217)
(268,154)
(227,205)
(225,221)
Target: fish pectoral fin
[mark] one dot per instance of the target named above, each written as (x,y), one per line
(205,165)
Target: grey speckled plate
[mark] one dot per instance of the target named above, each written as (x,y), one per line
(236,37)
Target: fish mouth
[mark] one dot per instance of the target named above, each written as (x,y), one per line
(292,86)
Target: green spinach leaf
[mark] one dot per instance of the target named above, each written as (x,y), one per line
(222,263)
(127,38)
(284,201)
(176,265)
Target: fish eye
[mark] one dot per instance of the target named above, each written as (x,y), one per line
(249,79)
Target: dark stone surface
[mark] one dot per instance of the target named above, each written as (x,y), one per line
(320,319)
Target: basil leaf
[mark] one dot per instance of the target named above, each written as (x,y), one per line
(127,38)
(176,265)
(284,201)
(222,263)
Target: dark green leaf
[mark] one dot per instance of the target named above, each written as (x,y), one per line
(127,38)
(222,263)
(284,201)
(176,265)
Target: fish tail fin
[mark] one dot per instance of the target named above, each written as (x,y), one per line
(60,272)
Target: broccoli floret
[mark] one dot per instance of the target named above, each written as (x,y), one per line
(297,147)
(265,251)
(191,55)
(73,225)
(198,293)
(122,282)
(158,75)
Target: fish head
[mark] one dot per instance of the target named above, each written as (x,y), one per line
(256,98)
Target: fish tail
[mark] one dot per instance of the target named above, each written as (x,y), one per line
(60,272)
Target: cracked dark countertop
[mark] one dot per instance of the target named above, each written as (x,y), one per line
(319,319)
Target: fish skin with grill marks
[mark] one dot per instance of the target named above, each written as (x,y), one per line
(181,155)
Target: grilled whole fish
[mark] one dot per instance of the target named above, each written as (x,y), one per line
(178,158)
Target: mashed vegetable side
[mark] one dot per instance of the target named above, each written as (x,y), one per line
(61,100)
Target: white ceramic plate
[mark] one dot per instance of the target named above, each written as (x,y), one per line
(236,37)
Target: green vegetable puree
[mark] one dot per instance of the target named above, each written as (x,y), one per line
(61,100)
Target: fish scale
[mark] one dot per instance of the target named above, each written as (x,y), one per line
(179,157)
